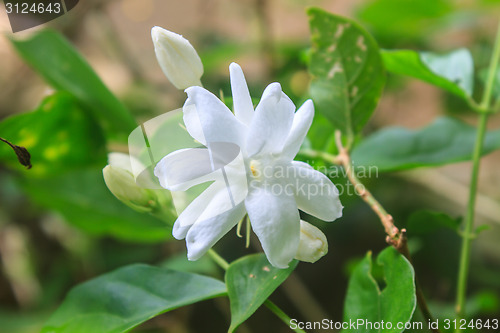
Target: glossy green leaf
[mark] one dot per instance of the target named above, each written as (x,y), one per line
(446,140)
(250,281)
(59,135)
(347,71)
(84,200)
(118,301)
(453,72)
(60,64)
(367,301)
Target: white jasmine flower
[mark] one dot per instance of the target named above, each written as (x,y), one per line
(258,178)
(312,244)
(177,58)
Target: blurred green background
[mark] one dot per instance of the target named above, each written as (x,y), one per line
(59,225)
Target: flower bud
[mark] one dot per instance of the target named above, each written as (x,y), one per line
(177,58)
(312,245)
(121,182)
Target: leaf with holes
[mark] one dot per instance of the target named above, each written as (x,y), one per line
(250,281)
(118,301)
(347,71)
(394,303)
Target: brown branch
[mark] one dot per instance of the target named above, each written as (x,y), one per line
(395,237)
(343,158)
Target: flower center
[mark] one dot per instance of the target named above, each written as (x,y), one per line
(254,168)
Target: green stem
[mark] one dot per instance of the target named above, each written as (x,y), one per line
(492,71)
(463,271)
(281,315)
(218,259)
(469,220)
(270,305)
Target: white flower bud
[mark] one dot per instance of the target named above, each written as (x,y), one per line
(121,182)
(312,245)
(177,58)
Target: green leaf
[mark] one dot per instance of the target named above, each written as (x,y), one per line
(446,140)
(482,228)
(84,200)
(118,301)
(59,136)
(394,303)
(347,71)
(453,71)
(250,281)
(60,64)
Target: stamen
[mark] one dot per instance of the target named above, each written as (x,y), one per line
(247,244)
(238,228)
(254,168)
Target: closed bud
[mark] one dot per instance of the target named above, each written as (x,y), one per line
(177,58)
(312,245)
(121,182)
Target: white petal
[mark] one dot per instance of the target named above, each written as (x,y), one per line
(243,106)
(204,234)
(227,191)
(271,122)
(315,193)
(207,119)
(302,121)
(236,178)
(192,121)
(302,164)
(193,211)
(189,216)
(184,168)
(275,219)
